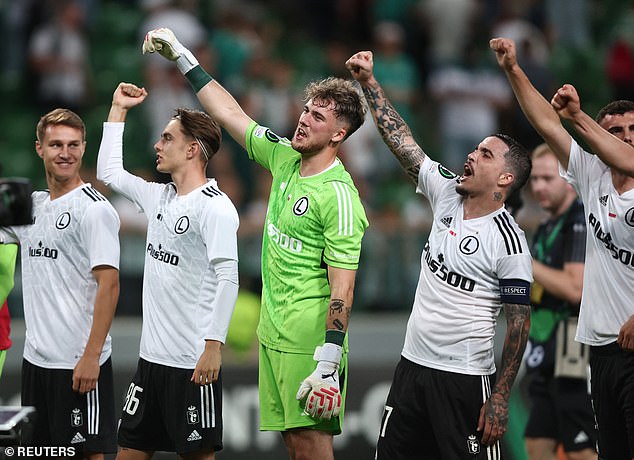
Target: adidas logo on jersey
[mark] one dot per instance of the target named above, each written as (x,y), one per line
(446,221)
(604,200)
(77,438)
(581,437)
(194,436)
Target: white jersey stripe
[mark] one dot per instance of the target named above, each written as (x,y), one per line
(344,201)
(213,406)
(493,452)
(344,204)
(203,405)
(350,211)
(334,184)
(208,415)
(92,403)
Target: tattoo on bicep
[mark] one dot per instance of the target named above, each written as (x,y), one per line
(395,132)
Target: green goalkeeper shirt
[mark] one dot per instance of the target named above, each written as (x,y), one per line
(311,223)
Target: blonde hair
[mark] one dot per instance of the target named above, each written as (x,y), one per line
(64,117)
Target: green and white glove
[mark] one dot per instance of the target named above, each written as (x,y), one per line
(164,42)
(322,386)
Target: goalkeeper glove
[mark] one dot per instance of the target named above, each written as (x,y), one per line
(164,42)
(322,386)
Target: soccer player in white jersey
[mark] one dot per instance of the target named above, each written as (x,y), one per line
(605,184)
(310,252)
(444,402)
(70,285)
(190,285)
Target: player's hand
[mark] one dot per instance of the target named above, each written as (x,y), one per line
(164,42)
(321,388)
(86,374)
(207,368)
(127,95)
(566,102)
(626,335)
(360,66)
(504,52)
(493,420)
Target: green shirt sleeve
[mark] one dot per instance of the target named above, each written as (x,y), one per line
(267,148)
(8,253)
(344,225)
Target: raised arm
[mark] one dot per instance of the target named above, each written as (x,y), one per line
(612,150)
(395,132)
(217,102)
(536,108)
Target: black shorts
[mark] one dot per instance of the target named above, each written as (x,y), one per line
(434,414)
(612,389)
(561,410)
(165,411)
(65,417)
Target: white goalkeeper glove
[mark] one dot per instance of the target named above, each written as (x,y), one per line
(164,42)
(322,386)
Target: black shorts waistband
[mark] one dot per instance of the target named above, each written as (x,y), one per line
(605,350)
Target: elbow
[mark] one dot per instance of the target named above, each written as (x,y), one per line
(102,175)
(575,298)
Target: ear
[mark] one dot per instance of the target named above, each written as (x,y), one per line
(191,150)
(38,149)
(506,179)
(339,135)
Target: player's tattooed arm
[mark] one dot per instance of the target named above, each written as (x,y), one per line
(494,415)
(338,315)
(341,295)
(395,132)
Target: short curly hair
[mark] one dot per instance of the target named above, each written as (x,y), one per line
(349,104)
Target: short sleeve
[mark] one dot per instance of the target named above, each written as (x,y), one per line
(435,181)
(219,230)
(345,222)
(267,148)
(100,232)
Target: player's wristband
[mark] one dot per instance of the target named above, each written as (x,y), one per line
(335,336)
(329,352)
(198,78)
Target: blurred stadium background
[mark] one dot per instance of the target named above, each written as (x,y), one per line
(433,60)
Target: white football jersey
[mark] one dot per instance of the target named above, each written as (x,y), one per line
(458,297)
(186,235)
(69,237)
(608,278)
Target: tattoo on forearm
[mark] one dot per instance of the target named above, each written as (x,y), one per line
(395,132)
(518,325)
(338,314)
(336,306)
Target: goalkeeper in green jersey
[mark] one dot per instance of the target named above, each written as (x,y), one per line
(310,251)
